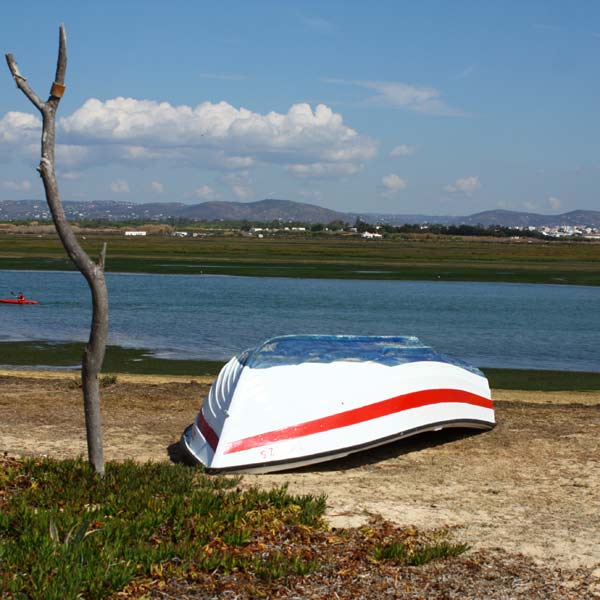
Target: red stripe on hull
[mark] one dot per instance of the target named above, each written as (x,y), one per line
(358,415)
(208,432)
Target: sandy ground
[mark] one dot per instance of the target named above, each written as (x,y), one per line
(531,485)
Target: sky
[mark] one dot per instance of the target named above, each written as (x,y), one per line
(436,108)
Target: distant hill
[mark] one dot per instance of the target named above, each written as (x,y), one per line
(263,210)
(273,210)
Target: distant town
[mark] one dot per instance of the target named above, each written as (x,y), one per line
(271,216)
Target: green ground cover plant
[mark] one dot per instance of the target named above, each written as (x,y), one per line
(66,533)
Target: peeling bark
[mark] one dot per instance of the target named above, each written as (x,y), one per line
(93,355)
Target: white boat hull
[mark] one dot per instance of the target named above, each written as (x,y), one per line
(266,414)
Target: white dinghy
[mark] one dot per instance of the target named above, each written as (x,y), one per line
(302,399)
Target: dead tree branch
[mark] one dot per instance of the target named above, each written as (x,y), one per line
(93,355)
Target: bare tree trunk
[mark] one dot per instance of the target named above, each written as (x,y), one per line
(93,355)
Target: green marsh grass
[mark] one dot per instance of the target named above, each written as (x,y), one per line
(423,257)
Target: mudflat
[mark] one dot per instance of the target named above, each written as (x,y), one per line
(529,486)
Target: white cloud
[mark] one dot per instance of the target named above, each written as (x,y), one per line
(20,136)
(71,155)
(402,150)
(120,186)
(310,142)
(393,183)
(396,94)
(15,126)
(323,170)
(239,182)
(17,186)
(554,202)
(241,192)
(232,162)
(236,178)
(205,192)
(140,131)
(157,187)
(466,185)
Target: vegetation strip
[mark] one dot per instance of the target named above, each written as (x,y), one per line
(67,355)
(29,355)
(411,257)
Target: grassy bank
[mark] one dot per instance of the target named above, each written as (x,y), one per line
(419,258)
(140,361)
(67,355)
(67,534)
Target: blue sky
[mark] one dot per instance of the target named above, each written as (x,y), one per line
(397,107)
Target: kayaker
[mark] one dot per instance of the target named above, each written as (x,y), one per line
(21,297)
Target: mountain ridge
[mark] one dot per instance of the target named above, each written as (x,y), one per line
(271,209)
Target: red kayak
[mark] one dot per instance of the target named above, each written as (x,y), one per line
(3,301)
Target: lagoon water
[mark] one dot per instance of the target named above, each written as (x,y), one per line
(214,317)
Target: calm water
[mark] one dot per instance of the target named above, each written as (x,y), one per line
(182,316)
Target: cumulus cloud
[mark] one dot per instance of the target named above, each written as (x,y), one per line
(15,126)
(241,192)
(393,183)
(239,182)
(16,186)
(402,150)
(71,155)
(218,134)
(205,192)
(554,203)
(19,136)
(466,185)
(157,187)
(120,186)
(215,135)
(323,170)
(396,94)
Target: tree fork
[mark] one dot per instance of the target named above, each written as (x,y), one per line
(93,355)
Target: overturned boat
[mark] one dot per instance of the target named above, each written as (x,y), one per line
(302,399)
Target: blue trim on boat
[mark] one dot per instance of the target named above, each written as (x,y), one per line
(386,350)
